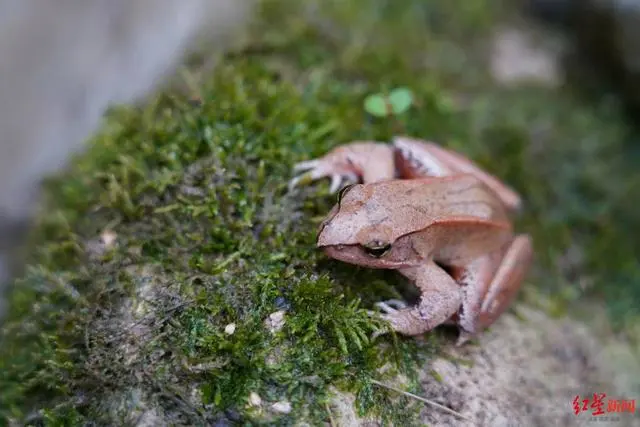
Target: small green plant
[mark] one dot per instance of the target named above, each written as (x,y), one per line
(397,102)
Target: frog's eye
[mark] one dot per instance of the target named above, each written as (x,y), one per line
(377,249)
(344,191)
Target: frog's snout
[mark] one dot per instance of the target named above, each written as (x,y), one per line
(326,222)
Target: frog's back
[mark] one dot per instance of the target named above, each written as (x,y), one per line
(432,199)
(456,218)
(392,209)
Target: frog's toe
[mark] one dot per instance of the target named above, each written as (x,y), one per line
(306,165)
(336,182)
(391,306)
(307,177)
(383,306)
(293,183)
(378,333)
(314,170)
(376,315)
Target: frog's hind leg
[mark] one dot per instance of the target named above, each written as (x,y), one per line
(490,284)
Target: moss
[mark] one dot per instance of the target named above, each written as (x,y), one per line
(207,234)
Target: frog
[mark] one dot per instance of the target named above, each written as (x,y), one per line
(434,216)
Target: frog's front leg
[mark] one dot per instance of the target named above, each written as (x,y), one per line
(440,298)
(489,284)
(356,161)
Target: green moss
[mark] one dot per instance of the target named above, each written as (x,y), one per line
(207,234)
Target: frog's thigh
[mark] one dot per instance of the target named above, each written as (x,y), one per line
(486,295)
(440,299)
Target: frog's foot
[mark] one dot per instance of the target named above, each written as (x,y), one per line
(388,307)
(439,300)
(320,168)
(349,163)
(402,317)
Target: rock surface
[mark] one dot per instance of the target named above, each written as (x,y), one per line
(525,371)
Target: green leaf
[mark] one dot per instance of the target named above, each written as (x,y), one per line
(355,338)
(376,105)
(400,100)
(342,341)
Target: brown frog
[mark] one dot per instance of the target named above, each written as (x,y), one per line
(435,217)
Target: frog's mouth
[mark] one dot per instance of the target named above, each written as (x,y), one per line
(354,254)
(346,253)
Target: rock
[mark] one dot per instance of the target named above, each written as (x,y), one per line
(525,371)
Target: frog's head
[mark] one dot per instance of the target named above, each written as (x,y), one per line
(359,231)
